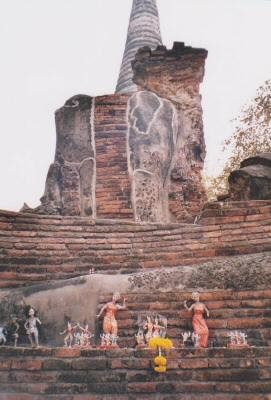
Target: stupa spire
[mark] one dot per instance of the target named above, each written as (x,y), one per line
(143,30)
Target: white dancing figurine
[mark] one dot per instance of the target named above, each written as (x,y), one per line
(86,336)
(196,340)
(156,328)
(69,332)
(149,327)
(185,336)
(32,329)
(15,329)
(3,339)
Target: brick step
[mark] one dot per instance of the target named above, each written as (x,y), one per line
(258,214)
(233,385)
(216,248)
(125,373)
(84,224)
(136,240)
(184,396)
(187,232)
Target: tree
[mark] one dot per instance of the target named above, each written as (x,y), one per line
(252,135)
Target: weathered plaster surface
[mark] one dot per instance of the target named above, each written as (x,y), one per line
(151,148)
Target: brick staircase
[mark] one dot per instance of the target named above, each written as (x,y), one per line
(249,311)
(127,374)
(35,248)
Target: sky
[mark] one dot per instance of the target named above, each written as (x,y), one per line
(53,49)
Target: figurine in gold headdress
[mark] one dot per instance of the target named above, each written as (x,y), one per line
(110,325)
(199,324)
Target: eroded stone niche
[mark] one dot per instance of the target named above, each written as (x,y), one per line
(69,188)
(152,139)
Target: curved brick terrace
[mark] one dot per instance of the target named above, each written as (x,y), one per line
(36,248)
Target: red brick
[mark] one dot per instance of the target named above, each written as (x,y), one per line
(26,364)
(142,387)
(67,353)
(194,363)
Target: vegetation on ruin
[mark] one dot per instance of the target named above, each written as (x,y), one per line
(251,136)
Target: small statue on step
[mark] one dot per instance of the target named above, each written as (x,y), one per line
(196,340)
(185,336)
(105,340)
(199,324)
(110,325)
(160,326)
(243,339)
(108,341)
(3,336)
(69,335)
(157,329)
(141,335)
(77,339)
(32,328)
(237,339)
(86,336)
(15,329)
(149,326)
(140,338)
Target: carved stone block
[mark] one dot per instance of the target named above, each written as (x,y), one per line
(152,142)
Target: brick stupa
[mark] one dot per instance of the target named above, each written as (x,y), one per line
(137,154)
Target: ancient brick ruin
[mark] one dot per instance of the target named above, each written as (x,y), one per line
(137,154)
(118,214)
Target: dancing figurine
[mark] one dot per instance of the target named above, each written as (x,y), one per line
(238,339)
(196,340)
(15,329)
(140,338)
(185,336)
(149,328)
(156,328)
(69,332)
(31,328)
(199,324)
(110,325)
(86,336)
(3,333)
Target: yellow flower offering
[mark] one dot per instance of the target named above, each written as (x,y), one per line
(160,369)
(157,342)
(161,361)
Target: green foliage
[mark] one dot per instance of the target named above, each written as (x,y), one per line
(252,135)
